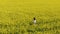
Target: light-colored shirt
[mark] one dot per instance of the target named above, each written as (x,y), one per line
(34,21)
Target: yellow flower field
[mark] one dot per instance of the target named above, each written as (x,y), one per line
(16,16)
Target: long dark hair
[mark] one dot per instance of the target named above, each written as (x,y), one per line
(34,18)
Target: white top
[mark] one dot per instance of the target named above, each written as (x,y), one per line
(34,21)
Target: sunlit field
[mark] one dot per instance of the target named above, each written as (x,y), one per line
(16,16)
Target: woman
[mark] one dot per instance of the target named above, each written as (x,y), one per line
(34,20)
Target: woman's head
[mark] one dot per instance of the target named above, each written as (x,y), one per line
(34,18)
